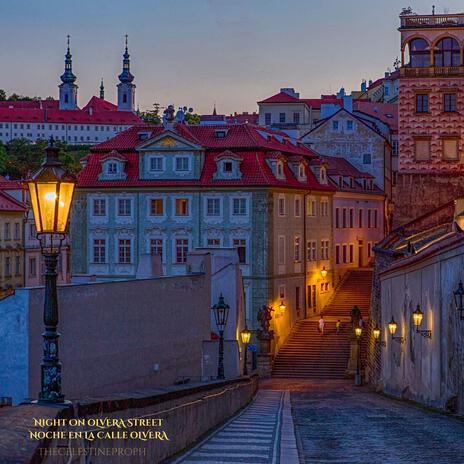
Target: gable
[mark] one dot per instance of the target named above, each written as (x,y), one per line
(168,141)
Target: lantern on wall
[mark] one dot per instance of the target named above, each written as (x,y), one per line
(324,272)
(459,299)
(392,326)
(417,317)
(282,306)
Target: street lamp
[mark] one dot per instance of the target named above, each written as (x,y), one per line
(51,190)
(417,317)
(282,306)
(221,314)
(324,272)
(245,334)
(459,300)
(358,379)
(392,326)
(376,333)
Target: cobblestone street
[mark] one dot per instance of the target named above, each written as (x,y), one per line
(336,422)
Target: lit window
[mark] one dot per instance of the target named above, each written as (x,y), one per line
(311,250)
(182,207)
(157,207)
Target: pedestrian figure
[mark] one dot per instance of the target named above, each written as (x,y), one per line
(321,325)
(361,322)
(338,325)
(355,316)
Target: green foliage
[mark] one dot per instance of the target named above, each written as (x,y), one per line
(21,157)
(192,118)
(2,95)
(16,97)
(152,116)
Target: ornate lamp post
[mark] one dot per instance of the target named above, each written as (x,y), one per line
(392,326)
(417,317)
(245,334)
(357,378)
(51,190)
(459,300)
(221,314)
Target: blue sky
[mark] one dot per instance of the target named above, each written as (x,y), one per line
(197,52)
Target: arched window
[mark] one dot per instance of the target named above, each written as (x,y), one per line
(447,52)
(66,98)
(124,98)
(419,54)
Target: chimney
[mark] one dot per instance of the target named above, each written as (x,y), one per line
(363,85)
(348,103)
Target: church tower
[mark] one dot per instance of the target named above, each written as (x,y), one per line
(126,89)
(68,88)
(102,90)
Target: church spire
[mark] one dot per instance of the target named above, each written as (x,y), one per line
(126,76)
(68,77)
(102,90)
(126,89)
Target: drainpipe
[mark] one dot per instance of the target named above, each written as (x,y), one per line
(305,262)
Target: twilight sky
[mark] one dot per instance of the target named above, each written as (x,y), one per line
(197,52)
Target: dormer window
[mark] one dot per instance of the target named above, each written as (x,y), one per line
(221,133)
(227,167)
(301,171)
(323,175)
(351,182)
(340,181)
(280,169)
(112,168)
(144,135)
(156,164)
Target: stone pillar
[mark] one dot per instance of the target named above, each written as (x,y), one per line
(353,361)
(264,355)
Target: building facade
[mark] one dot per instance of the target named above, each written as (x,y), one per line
(167,190)
(430,113)
(97,121)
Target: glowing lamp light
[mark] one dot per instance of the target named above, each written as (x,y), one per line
(392,326)
(376,332)
(358,331)
(245,335)
(417,316)
(51,190)
(221,313)
(324,272)
(282,306)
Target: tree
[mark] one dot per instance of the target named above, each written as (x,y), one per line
(3,157)
(192,118)
(152,116)
(2,95)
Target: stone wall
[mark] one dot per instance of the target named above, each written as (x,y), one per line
(187,413)
(422,369)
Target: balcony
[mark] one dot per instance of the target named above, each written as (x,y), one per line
(413,21)
(432,71)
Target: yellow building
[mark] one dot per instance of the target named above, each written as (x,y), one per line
(12,216)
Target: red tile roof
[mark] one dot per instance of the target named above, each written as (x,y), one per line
(281,97)
(242,140)
(315,103)
(7,184)
(386,112)
(240,118)
(102,112)
(30,104)
(10,204)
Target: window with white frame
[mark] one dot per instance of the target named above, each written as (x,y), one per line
(213,206)
(281,206)
(213,242)
(297,249)
(239,206)
(182,163)
(99,207)
(156,207)
(156,247)
(99,250)
(297,206)
(7,235)
(33,267)
(124,206)
(181,251)
(324,207)
(156,164)
(324,249)
(301,171)
(311,206)
(282,291)
(182,207)
(17,233)
(112,167)
(240,245)
(18,265)
(8,266)
(124,251)
(281,249)
(311,250)
(280,169)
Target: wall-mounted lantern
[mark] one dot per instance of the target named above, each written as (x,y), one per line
(392,326)
(376,333)
(324,272)
(459,300)
(417,317)
(282,306)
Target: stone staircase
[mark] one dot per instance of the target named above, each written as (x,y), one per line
(307,353)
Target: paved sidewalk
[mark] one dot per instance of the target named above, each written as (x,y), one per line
(253,436)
